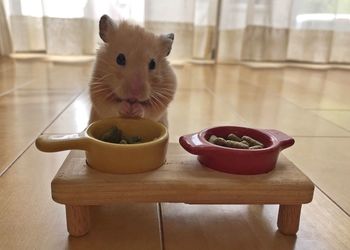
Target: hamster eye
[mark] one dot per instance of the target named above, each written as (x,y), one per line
(121,60)
(152,64)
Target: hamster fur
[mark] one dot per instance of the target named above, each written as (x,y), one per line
(131,77)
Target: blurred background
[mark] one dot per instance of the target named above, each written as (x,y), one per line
(224,31)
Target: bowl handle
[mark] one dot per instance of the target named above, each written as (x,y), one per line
(60,142)
(285,140)
(192,144)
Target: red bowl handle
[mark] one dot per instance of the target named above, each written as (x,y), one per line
(285,140)
(192,144)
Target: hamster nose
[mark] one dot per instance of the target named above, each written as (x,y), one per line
(136,89)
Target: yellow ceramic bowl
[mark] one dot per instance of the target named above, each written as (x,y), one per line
(110,157)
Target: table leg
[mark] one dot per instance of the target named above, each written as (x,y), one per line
(78,220)
(288,219)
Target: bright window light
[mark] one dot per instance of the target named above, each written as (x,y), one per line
(126,9)
(321,17)
(31,8)
(64,8)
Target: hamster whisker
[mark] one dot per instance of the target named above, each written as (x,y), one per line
(98,79)
(160,90)
(99,88)
(99,91)
(157,101)
(161,98)
(163,87)
(154,103)
(153,100)
(168,90)
(98,85)
(110,96)
(96,91)
(101,95)
(162,95)
(105,96)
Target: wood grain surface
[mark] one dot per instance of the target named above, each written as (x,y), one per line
(181,179)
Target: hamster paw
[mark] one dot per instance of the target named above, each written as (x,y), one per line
(137,110)
(125,109)
(131,110)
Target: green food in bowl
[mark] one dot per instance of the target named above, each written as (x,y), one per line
(115,135)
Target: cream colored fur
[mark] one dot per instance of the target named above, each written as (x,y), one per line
(112,85)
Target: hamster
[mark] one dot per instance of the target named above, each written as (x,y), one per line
(131,77)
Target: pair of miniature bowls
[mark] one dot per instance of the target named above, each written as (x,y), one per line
(151,153)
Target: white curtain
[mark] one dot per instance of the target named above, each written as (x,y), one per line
(193,22)
(221,30)
(68,27)
(288,30)
(5,38)
(320,31)
(62,27)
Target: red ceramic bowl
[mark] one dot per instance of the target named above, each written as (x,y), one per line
(237,161)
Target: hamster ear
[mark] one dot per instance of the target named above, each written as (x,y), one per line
(166,43)
(106,26)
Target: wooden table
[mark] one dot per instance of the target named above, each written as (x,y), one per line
(181,179)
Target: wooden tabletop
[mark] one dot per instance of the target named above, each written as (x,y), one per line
(181,179)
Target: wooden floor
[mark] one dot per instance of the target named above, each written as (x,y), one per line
(313,106)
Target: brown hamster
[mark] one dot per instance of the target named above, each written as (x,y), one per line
(132,77)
